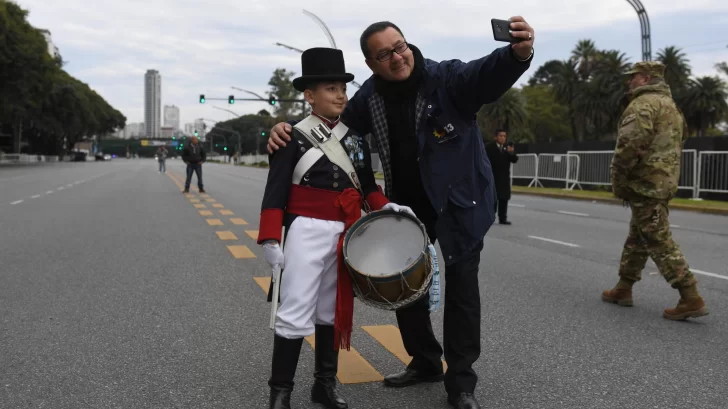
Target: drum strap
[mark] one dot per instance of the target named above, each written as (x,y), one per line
(328,142)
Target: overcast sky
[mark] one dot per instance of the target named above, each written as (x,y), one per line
(207,46)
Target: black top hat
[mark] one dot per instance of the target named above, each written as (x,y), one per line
(321,64)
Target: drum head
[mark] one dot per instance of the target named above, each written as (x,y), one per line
(385,245)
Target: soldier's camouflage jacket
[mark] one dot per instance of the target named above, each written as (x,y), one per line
(651,134)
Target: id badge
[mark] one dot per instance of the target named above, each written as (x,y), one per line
(445,134)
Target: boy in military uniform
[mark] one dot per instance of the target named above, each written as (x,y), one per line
(316,190)
(645,171)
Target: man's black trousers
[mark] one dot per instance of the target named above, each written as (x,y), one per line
(461,328)
(501,206)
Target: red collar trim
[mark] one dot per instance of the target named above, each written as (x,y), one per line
(328,123)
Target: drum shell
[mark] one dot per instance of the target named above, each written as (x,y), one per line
(398,286)
(391,289)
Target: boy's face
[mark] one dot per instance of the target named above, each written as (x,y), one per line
(328,99)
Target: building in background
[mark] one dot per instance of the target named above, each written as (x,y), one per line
(152,103)
(171,116)
(52,49)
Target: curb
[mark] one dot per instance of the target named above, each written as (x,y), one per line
(697,209)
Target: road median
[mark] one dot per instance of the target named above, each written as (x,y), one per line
(703,206)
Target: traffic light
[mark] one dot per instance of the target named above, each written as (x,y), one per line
(225,148)
(262,133)
(195,132)
(272,100)
(231,99)
(202,98)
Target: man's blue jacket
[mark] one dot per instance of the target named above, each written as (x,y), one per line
(455,170)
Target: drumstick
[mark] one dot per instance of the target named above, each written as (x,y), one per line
(276,287)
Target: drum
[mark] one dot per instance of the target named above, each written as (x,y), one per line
(387,254)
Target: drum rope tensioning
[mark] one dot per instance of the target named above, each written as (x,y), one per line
(391,260)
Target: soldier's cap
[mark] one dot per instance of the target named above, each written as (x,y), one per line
(652,68)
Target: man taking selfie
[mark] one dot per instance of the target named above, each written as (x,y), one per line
(421,114)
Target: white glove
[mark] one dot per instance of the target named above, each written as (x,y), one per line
(273,254)
(398,208)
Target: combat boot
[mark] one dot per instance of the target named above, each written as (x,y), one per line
(327,363)
(691,305)
(619,296)
(285,360)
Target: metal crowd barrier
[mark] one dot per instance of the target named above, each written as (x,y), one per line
(705,171)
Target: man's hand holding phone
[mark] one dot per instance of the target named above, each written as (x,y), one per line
(519,32)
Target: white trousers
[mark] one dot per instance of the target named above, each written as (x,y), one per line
(308,283)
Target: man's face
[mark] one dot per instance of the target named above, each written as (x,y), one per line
(638,79)
(396,67)
(194,140)
(501,138)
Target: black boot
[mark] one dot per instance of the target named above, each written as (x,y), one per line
(327,363)
(285,360)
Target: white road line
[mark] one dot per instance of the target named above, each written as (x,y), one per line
(674,226)
(49,192)
(60,188)
(70,185)
(516,205)
(16,202)
(573,213)
(563,243)
(35,196)
(705,273)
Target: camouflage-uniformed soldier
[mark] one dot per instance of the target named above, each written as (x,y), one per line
(645,171)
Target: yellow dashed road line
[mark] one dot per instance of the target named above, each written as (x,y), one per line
(218,206)
(226,235)
(240,251)
(238,221)
(214,222)
(253,234)
(226,213)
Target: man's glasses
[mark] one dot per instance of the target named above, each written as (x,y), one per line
(387,55)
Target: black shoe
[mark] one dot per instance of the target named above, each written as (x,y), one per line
(506,222)
(280,398)
(411,377)
(324,389)
(186,191)
(464,401)
(285,360)
(201,190)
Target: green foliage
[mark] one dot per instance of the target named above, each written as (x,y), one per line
(281,83)
(250,127)
(583,97)
(38,99)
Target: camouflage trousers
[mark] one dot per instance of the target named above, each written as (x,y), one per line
(650,236)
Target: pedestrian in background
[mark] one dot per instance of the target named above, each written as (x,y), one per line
(161,158)
(501,154)
(194,156)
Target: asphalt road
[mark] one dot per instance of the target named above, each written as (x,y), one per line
(117,292)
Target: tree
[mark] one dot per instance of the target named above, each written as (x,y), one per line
(37,98)
(705,104)
(282,88)
(508,113)
(548,119)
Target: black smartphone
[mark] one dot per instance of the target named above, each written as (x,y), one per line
(502,31)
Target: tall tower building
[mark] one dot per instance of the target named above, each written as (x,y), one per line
(152,103)
(171,116)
